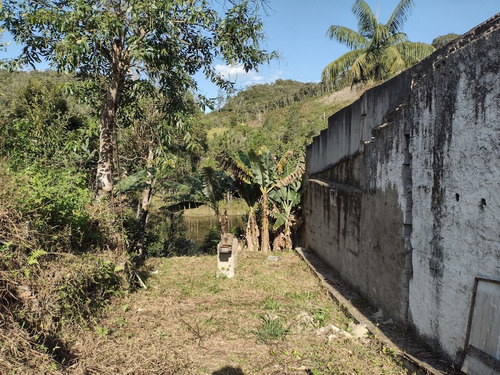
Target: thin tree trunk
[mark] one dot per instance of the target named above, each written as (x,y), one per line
(223,222)
(288,236)
(104,177)
(265,225)
(252,231)
(145,204)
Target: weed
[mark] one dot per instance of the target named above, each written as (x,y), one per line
(102,331)
(271,329)
(121,322)
(88,289)
(321,316)
(300,296)
(271,304)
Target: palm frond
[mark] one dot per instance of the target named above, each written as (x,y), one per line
(413,52)
(346,36)
(393,60)
(340,65)
(367,22)
(400,15)
(380,37)
(397,38)
(361,68)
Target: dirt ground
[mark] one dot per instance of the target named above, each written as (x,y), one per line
(272,318)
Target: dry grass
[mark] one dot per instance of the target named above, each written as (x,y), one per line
(347,94)
(190,322)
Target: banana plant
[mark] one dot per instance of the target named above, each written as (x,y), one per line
(249,191)
(260,168)
(263,172)
(286,196)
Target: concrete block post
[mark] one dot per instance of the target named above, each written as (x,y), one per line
(227,251)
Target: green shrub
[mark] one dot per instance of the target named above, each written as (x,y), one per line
(53,202)
(165,235)
(87,289)
(210,242)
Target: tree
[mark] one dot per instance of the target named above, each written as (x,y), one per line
(378,50)
(112,42)
(443,40)
(152,147)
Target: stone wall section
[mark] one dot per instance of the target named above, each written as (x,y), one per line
(402,197)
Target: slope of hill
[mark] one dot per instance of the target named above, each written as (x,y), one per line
(279,117)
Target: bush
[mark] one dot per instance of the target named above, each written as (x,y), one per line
(47,208)
(166,235)
(87,288)
(212,239)
(54,202)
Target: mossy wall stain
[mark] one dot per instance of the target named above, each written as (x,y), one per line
(402,198)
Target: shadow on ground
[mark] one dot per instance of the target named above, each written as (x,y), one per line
(228,370)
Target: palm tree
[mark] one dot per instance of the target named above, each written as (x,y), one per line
(378,50)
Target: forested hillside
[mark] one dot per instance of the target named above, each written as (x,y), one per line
(281,116)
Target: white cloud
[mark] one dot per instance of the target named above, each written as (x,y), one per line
(231,72)
(237,74)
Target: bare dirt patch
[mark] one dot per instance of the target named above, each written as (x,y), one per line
(347,94)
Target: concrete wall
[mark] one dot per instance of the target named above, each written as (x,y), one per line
(403,191)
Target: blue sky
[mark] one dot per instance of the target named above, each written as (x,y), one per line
(297,28)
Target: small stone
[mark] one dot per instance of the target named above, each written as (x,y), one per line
(359,331)
(329,329)
(272,258)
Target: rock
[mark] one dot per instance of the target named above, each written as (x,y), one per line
(272,258)
(327,330)
(359,331)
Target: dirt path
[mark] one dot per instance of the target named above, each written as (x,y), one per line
(272,318)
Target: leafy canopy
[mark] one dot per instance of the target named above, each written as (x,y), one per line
(163,42)
(378,50)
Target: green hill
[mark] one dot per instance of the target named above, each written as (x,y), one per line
(280,116)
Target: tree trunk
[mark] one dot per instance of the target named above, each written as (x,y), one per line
(265,225)
(104,177)
(252,232)
(223,222)
(143,213)
(288,236)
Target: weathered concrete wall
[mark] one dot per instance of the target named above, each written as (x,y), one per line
(402,198)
